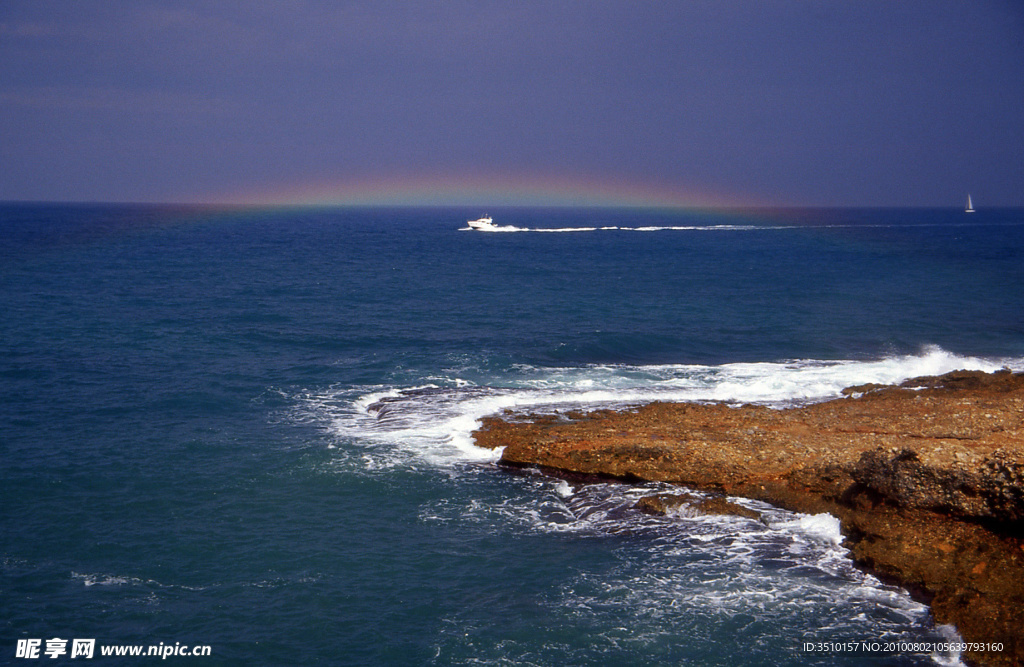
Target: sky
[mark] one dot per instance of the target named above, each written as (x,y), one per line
(602,102)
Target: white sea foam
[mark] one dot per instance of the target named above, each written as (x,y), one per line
(686,570)
(824,527)
(950,636)
(649,228)
(432,423)
(98,579)
(677,569)
(564,489)
(708,228)
(108,580)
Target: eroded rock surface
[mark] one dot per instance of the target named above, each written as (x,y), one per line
(927,478)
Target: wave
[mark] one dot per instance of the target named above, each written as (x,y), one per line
(675,572)
(432,423)
(115,580)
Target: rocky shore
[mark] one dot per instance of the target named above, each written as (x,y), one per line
(927,479)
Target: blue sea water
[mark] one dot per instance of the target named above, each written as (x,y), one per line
(251,429)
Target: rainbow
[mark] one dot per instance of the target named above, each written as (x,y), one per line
(481,189)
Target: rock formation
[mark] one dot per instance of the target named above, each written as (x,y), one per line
(927,479)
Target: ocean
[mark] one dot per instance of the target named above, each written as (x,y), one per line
(250,429)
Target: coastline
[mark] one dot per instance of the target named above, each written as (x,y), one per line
(926,478)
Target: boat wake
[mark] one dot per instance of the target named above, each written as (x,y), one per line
(676,228)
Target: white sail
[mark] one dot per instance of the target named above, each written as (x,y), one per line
(970,206)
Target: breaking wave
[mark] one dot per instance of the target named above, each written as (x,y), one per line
(674,572)
(680,574)
(432,423)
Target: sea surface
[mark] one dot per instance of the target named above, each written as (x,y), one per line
(250,429)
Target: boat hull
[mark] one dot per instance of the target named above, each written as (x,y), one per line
(483,224)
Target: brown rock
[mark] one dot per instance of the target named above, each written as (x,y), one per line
(663,503)
(927,479)
(719,505)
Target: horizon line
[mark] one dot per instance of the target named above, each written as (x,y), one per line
(475,206)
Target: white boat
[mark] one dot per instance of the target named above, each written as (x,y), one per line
(485,223)
(970,206)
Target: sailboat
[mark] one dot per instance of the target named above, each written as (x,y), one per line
(970,206)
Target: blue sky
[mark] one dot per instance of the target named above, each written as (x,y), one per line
(789,102)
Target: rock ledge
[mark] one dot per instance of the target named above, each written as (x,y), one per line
(927,479)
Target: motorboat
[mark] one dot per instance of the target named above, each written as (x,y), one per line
(483,224)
